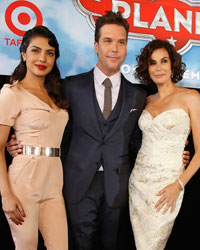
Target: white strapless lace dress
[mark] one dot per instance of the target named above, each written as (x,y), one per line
(158,163)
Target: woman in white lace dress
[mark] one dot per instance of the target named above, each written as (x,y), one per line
(156,185)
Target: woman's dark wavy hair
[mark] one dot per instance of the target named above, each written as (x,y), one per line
(53,79)
(143,60)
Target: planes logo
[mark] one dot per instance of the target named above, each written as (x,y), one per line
(177,21)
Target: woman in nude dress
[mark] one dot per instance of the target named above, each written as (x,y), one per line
(156,184)
(32,103)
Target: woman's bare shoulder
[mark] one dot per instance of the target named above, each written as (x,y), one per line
(189,93)
(190,98)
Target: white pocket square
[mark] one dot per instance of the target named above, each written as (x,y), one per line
(132,110)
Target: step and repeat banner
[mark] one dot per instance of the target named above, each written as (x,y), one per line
(73,22)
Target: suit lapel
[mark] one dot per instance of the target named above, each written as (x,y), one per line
(89,105)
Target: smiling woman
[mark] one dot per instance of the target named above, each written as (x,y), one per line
(32,103)
(157,182)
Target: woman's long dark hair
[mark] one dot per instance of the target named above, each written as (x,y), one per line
(53,79)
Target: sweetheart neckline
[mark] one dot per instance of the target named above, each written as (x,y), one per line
(168,110)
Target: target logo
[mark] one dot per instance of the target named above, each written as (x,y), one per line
(21,16)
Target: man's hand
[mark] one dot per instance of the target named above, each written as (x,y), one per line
(186,157)
(14,147)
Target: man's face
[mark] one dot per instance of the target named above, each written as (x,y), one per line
(111,48)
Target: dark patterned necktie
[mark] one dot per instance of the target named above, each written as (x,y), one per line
(107,98)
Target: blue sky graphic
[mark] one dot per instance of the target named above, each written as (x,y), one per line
(76,38)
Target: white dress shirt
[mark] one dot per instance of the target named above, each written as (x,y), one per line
(115,79)
(99,77)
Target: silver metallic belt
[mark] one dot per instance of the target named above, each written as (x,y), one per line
(41,151)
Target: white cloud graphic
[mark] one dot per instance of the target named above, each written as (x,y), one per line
(69,21)
(7,65)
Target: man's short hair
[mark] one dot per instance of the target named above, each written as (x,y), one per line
(110,18)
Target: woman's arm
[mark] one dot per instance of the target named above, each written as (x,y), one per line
(194,112)
(11,205)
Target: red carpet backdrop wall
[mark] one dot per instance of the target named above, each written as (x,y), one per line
(177,21)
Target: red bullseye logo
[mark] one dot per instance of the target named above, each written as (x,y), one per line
(21,16)
(24,18)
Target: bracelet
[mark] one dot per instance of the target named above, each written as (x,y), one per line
(181,184)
